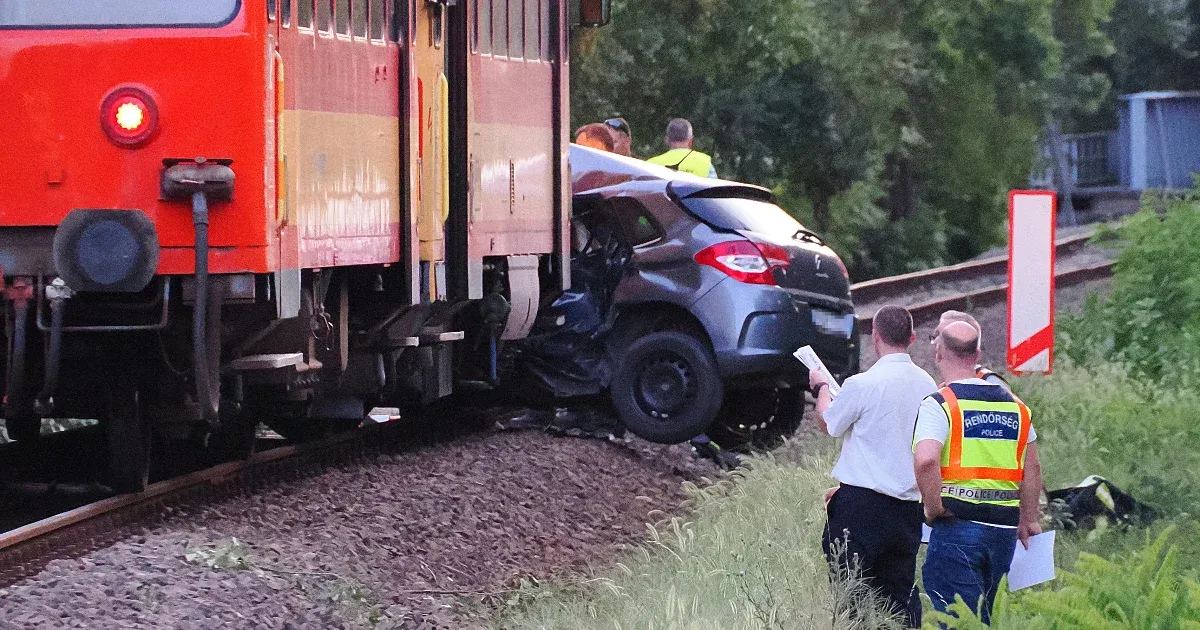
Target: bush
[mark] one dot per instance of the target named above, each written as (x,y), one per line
(1151,319)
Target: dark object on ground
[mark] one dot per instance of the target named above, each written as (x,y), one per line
(702,446)
(688,297)
(1095,497)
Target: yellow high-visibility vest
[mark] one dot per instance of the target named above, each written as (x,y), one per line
(983,461)
(685,160)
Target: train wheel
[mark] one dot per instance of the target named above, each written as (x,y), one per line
(128,435)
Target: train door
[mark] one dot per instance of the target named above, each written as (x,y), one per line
(430,191)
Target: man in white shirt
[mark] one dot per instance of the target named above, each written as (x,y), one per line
(874,515)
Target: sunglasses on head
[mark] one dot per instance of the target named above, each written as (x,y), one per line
(618,125)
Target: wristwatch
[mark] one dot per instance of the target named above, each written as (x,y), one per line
(817,390)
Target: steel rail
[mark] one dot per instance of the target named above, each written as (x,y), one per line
(28,549)
(996,294)
(883,288)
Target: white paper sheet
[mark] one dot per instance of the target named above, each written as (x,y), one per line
(1034,565)
(809,358)
(925,531)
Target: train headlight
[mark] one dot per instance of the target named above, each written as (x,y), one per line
(129,116)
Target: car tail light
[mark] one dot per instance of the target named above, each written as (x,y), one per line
(745,261)
(128,116)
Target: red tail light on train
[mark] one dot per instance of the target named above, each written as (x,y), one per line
(129,116)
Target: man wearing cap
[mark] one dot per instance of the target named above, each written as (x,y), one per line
(681,156)
(977,468)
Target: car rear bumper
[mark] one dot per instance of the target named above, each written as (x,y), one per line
(755,329)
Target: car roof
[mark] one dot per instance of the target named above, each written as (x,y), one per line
(593,169)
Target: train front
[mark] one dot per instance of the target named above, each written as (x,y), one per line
(137,137)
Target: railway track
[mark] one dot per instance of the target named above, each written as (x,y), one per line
(26,550)
(973,284)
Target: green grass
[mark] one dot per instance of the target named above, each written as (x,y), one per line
(747,556)
(1099,421)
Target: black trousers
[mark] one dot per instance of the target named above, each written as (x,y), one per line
(878,536)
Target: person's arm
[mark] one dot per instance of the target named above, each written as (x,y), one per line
(1031,494)
(833,419)
(927,464)
(824,400)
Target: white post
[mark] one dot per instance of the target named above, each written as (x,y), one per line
(1031,219)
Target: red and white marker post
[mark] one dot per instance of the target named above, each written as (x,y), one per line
(1031,221)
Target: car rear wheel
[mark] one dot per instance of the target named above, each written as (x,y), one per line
(666,387)
(758,418)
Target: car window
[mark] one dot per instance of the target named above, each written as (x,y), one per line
(639,227)
(739,213)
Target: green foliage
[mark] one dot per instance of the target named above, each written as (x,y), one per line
(1098,420)
(1144,591)
(1151,320)
(893,127)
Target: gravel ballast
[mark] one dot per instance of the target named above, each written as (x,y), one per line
(414,540)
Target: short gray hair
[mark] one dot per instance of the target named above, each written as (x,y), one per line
(679,130)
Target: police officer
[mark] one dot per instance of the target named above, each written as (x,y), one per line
(681,156)
(977,468)
(981,370)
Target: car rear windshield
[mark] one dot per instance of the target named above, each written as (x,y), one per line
(115,13)
(739,213)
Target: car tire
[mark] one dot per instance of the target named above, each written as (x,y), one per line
(666,387)
(759,418)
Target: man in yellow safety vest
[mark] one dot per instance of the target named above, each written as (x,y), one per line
(977,468)
(681,156)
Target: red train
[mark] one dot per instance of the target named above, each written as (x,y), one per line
(220,211)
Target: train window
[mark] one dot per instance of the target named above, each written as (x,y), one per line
(358,17)
(324,15)
(398,29)
(516,28)
(304,13)
(484,18)
(285,13)
(341,12)
(377,9)
(270,10)
(500,27)
(110,13)
(531,29)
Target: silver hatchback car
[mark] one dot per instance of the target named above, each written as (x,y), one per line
(689,297)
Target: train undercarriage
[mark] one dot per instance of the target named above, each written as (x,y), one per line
(128,359)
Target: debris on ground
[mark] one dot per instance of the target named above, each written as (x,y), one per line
(1095,498)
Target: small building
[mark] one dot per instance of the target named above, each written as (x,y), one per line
(1156,146)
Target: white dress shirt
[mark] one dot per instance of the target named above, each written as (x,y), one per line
(875,414)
